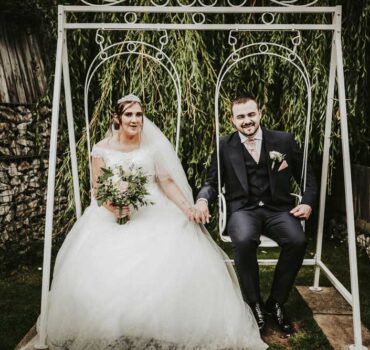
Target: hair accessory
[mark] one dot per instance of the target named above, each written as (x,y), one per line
(130,97)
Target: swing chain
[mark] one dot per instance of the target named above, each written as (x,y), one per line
(163,40)
(232,42)
(296,41)
(99,39)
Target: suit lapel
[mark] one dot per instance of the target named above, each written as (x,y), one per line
(268,138)
(237,160)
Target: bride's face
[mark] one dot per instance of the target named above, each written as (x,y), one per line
(132,120)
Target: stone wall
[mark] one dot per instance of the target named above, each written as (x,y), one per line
(24,143)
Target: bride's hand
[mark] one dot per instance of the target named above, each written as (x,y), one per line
(118,213)
(190,213)
(121,212)
(201,212)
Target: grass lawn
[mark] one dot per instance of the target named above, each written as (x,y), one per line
(20,294)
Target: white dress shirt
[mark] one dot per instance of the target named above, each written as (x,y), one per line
(257,137)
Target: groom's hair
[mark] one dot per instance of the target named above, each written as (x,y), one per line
(243,99)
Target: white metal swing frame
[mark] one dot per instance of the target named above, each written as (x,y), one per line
(199,13)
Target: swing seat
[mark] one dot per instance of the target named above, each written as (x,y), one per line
(266,242)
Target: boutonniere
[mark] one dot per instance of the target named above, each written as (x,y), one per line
(276,156)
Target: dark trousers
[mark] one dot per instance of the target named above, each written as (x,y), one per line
(245,227)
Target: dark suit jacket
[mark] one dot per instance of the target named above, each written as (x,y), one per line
(234,175)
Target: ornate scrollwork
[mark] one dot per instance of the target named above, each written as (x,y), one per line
(296,41)
(160,5)
(232,42)
(130,17)
(268,18)
(105,2)
(214,3)
(205,3)
(231,3)
(163,40)
(198,18)
(132,48)
(99,39)
(292,3)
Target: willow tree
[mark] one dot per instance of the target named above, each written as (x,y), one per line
(198,57)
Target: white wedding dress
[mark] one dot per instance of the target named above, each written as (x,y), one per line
(157,282)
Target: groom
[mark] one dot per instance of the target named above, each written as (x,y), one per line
(257,166)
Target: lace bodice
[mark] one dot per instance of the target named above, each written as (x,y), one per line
(155,156)
(141,157)
(148,159)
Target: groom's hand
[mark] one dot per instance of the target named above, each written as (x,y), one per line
(201,212)
(302,211)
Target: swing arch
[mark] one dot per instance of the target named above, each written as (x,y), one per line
(264,49)
(131,48)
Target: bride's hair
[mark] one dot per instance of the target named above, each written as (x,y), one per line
(121,108)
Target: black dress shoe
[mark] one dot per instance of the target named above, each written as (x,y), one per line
(277,311)
(258,315)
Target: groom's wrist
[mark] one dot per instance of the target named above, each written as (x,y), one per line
(202,199)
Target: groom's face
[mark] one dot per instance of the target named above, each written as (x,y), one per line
(246,117)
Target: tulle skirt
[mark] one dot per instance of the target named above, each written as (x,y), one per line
(157,282)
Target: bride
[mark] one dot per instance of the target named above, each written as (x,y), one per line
(157,282)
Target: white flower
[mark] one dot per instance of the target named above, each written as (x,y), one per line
(276,156)
(116,171)
(116,179)
(123,186)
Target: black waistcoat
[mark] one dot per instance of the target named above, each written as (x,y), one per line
(258,177)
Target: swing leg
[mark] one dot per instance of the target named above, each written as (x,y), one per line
(41,342)
(71,133)
(325,166)
(348,193)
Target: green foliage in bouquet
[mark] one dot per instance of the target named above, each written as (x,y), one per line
(122,188)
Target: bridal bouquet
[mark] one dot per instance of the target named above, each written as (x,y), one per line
(122,188)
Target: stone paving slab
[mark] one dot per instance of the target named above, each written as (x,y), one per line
(328,301)
(28,341)
(334,316)
(338,329)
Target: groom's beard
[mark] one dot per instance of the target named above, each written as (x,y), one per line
(249,125)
